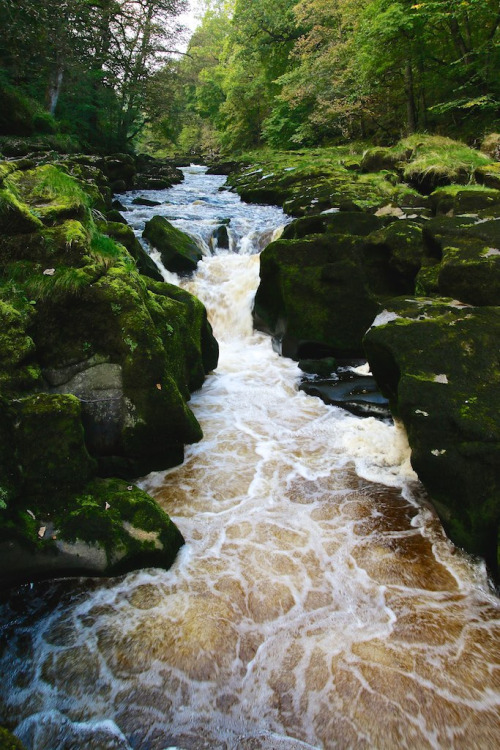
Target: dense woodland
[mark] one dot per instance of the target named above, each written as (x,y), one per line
(281,73)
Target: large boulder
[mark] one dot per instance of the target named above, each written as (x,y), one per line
(455,200)
(437,362)
(462,260)
(105,527)
(97,363)
(319,294)
(178,251)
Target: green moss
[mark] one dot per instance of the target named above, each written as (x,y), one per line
(124,234)
(103,515)
(50,447)
(52,194)
(9,742)
(15,216)
(54,284)
(17,349)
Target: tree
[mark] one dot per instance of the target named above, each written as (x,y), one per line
(87,61)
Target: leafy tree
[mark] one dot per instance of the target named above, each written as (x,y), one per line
(87,61)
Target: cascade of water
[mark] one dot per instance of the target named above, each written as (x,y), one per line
(316,603)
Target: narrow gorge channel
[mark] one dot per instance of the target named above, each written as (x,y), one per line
(317,602)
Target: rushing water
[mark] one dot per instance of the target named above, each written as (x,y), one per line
(317,602)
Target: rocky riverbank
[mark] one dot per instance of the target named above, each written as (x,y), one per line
(98,357)
(396,256)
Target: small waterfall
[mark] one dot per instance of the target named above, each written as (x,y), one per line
(317,602)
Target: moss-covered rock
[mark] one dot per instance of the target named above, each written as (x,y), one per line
(318,295)
(378,159)
(343,222)
(96,369)
(156,174)
(313,296)
(320,182)
(488,176)
(106,528)
(52,195)
(15,217)
(438,363)
(179,252)
(455,200)
(50,444)
(18,368)
(122,233)
(462,260)
(9,741)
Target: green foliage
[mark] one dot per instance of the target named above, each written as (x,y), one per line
(51,184)
(308,72)
(84,62)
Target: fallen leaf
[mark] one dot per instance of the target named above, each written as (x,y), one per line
(41,531)
(107,506)
(49,272)
(158,385)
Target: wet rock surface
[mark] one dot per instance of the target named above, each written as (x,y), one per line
(334,270)
(358,394)
(97,362)
(179,252)
(449,400)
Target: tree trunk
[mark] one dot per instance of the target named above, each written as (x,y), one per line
(54,88)
(459,41)
(411,110)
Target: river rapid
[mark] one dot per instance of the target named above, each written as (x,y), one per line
(317,602)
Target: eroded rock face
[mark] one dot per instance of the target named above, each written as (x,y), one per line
(438,363)
(96,366)
(435,359)
(461,260)
(319,294)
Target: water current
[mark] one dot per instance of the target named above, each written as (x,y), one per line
(316,603)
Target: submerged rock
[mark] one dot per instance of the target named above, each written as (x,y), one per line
(142,201)
(437,361)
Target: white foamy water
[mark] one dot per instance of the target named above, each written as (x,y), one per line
(316,603)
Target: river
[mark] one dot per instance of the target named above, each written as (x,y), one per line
(317,602)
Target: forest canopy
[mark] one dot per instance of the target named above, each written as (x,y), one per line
(283,73)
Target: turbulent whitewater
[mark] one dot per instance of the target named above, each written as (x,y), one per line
(316,603)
